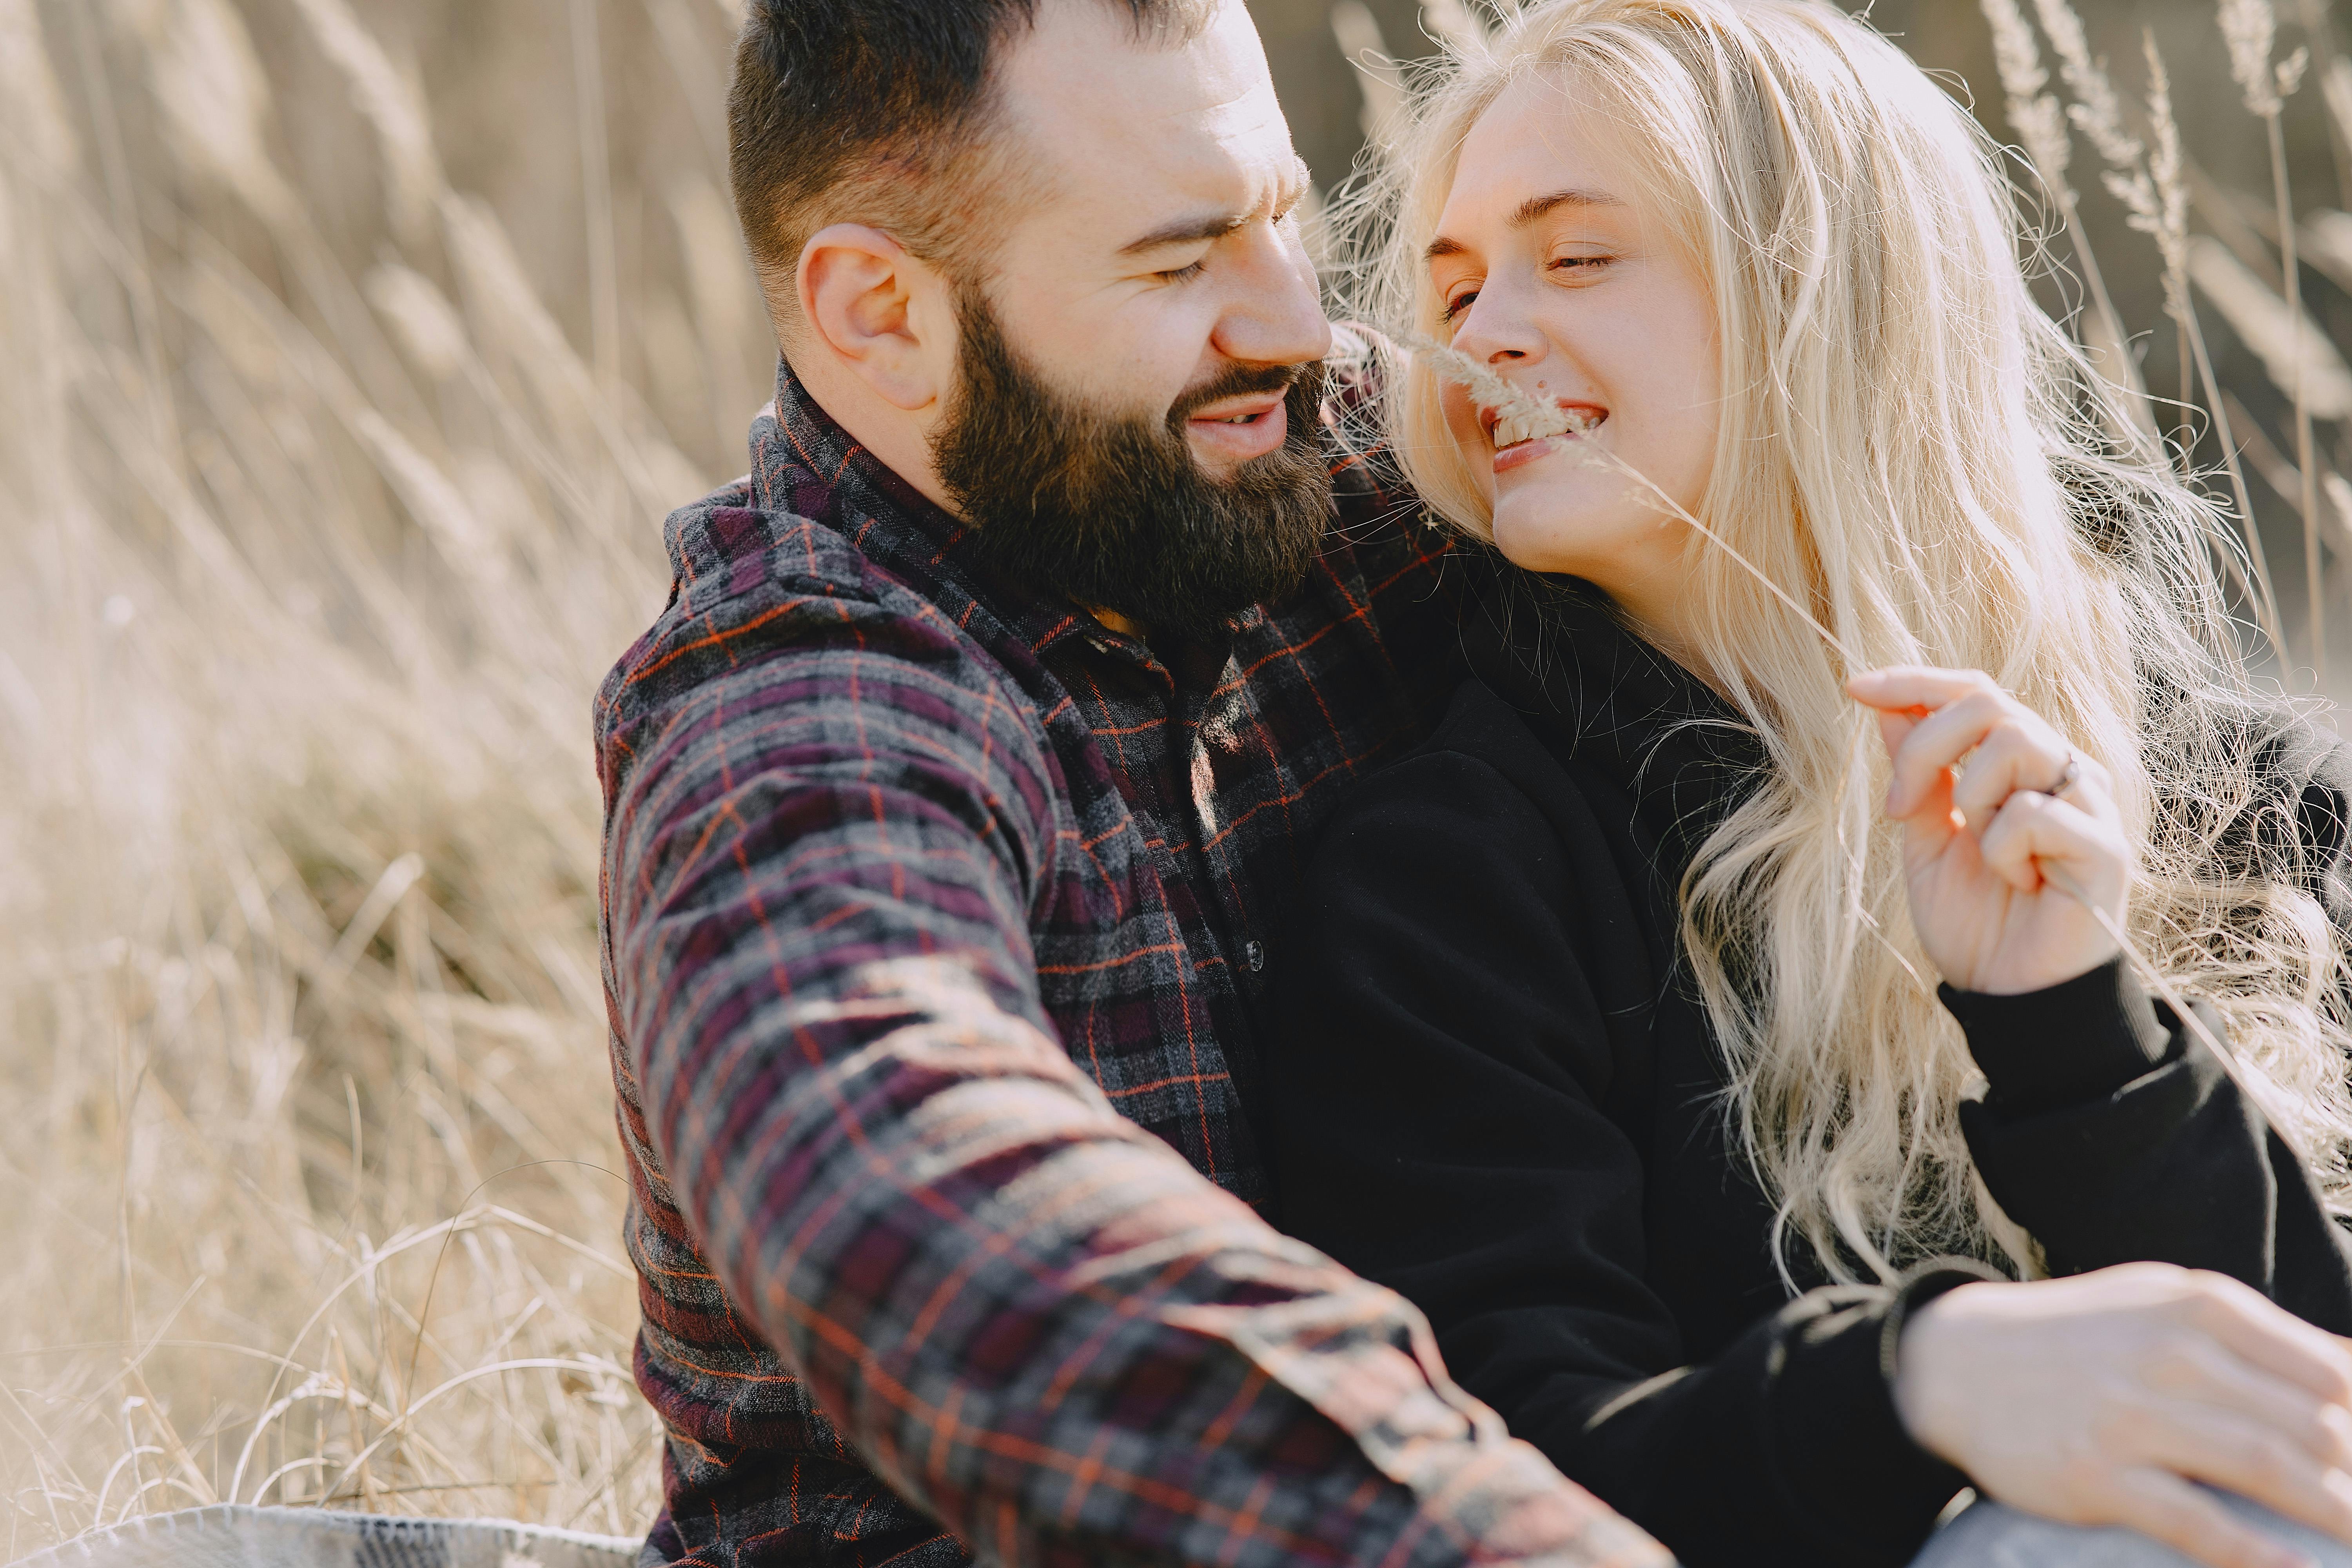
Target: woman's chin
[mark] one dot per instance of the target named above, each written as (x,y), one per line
(1540,534)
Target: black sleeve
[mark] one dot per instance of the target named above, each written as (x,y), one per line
(2114,1135)
(1437,1102)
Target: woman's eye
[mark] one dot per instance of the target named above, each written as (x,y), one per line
(1456,305)
(1584,265)
(1183,274)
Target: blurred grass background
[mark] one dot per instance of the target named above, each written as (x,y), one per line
(354,350)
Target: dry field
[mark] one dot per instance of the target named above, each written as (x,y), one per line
(336,419)
(319,532)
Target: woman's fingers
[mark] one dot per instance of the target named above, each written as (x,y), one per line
(2252,1327)
(2226,1450)
(1937,742)
(2202,1369)
(2036,838)
(1931,718)
(2013,757)
(2013,750)
(2167,1509)
(1916,686)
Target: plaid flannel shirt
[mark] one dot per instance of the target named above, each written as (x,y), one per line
(938,920)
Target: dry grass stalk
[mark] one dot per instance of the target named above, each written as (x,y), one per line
(2299,357)
(2149,180)
(2250,28)
(2336,89)
(2040,122)
(392,104)
(2155,193)
(2096,110)
(1377,72)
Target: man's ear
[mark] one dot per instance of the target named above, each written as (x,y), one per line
(880,310)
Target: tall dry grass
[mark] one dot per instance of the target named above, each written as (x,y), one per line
(318,532)
(2149,175)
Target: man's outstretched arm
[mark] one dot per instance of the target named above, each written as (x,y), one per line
(1036,1321)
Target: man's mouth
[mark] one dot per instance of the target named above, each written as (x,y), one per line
(1235,429)
(1520,426)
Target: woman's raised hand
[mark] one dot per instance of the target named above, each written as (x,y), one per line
(1998,855)
(2097,1400)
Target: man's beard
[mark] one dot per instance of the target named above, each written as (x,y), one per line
(1112,511)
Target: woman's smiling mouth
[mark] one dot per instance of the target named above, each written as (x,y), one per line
(1532,431)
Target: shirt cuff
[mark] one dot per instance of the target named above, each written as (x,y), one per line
(2078,1040)
(1860,1462)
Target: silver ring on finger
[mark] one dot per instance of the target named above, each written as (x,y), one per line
(2068,778)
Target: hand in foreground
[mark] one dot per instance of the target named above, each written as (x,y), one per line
(1983,846)
(2098,1399)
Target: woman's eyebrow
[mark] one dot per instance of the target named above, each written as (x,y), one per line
(1536,209)
(1533,210)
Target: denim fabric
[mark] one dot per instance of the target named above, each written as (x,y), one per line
(240,1537)
(1988,1535)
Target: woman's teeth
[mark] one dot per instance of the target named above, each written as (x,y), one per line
(1534,425)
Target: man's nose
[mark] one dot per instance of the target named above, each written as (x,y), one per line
(1274,315)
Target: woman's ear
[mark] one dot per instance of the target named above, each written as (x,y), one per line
(879,311)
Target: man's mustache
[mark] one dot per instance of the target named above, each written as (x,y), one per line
(1237,381)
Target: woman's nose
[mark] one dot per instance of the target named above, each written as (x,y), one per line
(1497,333)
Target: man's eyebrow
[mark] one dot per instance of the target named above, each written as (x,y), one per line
(1215,226)
(1186,231)
(1533,210)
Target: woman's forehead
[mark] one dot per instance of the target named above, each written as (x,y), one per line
(1542,137)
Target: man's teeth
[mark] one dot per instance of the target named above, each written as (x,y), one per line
(1537,424)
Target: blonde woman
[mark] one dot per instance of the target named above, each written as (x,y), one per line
(1615,1038)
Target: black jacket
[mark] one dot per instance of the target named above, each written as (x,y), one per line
(1497,1093)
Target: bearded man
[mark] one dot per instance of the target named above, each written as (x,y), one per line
(951,809)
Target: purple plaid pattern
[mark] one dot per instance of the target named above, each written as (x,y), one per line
(938,923)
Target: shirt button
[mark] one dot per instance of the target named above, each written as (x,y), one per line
(1255,952)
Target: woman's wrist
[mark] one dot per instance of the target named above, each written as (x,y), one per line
(1927,1356)
(1915,1361)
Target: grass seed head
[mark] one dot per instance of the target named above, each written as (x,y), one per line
(2250,29)
(2036,113)
(2096,110)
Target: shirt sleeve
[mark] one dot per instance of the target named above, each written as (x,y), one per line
(1034,1321)
(1438,1097)
(2114,1135)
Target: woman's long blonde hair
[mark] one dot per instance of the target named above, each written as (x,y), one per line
(1909,444)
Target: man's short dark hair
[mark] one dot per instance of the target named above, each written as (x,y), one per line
(877,111)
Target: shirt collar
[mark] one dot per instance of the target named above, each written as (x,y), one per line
(805,463)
